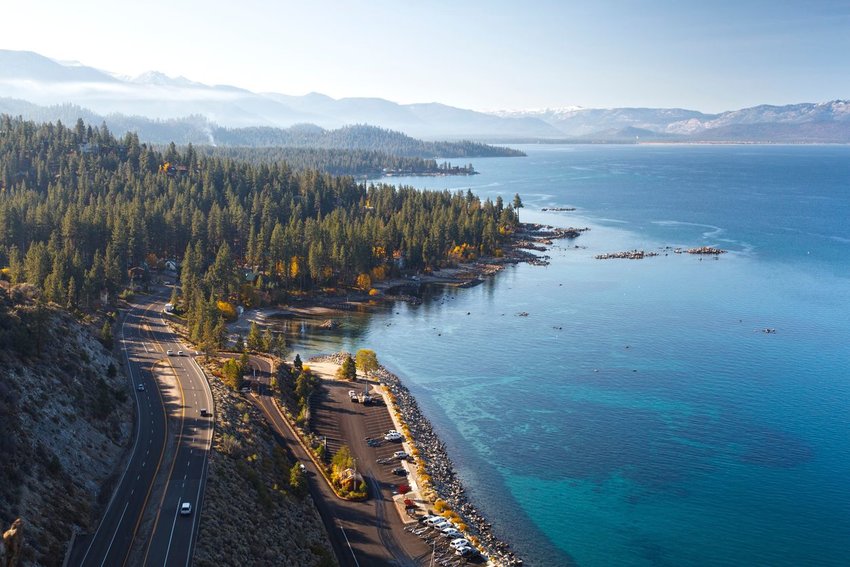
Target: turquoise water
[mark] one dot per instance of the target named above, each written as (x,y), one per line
(638,415)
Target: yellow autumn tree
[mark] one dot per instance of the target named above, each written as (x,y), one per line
(227,310)
(364,281)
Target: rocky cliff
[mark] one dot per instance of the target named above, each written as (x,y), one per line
(65,423)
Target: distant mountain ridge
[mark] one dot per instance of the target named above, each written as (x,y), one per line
(198,130)
(804,122)
(43,81)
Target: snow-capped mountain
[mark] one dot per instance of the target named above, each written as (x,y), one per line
(30,77)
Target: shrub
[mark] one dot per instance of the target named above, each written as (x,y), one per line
(230,445)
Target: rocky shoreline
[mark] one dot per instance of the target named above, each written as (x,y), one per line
(439,466)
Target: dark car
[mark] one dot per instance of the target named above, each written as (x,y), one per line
(400,471)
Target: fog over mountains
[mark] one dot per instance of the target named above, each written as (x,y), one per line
(43,82)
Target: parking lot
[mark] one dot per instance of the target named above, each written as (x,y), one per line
(363,426)
(342,421)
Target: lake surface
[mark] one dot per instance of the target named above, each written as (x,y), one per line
(639,415)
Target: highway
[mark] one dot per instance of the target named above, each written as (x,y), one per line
(167,465)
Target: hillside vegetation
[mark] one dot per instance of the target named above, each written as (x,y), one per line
(65,421)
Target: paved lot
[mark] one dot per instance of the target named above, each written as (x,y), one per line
(362,533)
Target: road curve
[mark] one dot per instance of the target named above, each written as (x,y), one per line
(174,391)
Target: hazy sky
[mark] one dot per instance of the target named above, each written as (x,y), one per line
(708,55)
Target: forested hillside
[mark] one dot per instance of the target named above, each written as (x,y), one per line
(199,130)
(82,212)
(357,137)
(359,163)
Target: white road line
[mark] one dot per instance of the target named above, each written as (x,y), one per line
(349,546)
(105,555)
(173,524)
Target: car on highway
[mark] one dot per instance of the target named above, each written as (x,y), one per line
(185,509)
(204,412)
(140,387)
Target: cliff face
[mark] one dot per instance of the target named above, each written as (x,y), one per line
(65,423)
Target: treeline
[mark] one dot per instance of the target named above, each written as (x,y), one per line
(356,137)
(82,212)
(358,163)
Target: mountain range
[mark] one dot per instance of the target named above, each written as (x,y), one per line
(44,82)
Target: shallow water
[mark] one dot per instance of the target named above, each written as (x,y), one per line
(638,415)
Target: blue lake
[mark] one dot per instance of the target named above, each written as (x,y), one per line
(639,415)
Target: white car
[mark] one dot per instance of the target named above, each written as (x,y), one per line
(393,435)
(140,387)
(459,542)
(451,532)
(179,353)
(169,352)
(435,519)
(185,509)
(465,551)
(400,455)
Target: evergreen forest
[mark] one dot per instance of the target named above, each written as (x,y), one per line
(85,215)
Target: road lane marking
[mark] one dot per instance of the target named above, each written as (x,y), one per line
(349,547)
(105,555)
(171,470)
(173,524)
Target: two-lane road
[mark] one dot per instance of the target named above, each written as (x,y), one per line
(173,391)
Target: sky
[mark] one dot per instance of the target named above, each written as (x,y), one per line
(485,55)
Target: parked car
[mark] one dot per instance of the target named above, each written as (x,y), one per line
(460,542)
(400,455)
(451,532)
(400,471)
(169,352)
(393,435)
(466,551)
(439,522)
